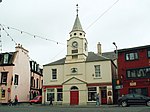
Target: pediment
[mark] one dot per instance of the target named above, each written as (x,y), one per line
(74,80)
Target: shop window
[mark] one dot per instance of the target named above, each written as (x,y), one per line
(92,93)
(141,91)
(59,94)
(50,93)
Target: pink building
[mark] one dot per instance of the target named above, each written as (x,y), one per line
(15,75)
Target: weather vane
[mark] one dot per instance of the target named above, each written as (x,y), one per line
(77,9)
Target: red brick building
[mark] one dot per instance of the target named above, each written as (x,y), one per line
(134,70)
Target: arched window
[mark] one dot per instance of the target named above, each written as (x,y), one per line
(74,88)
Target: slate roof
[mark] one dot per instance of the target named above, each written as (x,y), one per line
(11,58)
(110,55)
(92,57)
(134,48)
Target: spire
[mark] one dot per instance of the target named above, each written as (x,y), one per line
(77,25)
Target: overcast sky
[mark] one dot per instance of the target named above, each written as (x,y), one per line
(127,23)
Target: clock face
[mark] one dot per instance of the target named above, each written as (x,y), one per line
(75,44)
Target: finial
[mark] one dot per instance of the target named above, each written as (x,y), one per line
(77,8)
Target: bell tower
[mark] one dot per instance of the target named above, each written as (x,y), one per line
(77,44)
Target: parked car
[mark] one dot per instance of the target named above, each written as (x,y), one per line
(133,99)
(37,99)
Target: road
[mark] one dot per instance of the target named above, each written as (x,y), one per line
(41,108)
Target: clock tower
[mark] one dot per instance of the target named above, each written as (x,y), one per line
(77,44)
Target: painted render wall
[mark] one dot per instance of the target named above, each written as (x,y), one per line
(105,72)
(21,68)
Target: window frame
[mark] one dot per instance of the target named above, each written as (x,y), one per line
(37,83)
(16,79)
(148,53)
(50,91)
(6,58)
(59,93)
(131,56)
(92,93)
(54,74)
(3,93)
(4,76)
(97,71)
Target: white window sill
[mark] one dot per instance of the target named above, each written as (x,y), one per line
(97,78)
(53,80)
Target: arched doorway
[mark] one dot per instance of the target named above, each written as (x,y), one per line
(74,95)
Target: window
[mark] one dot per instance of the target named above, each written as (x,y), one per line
(138,73)
(3,93)
(37,83)
(131,56)
(148,53)
(54,73)
(16,80)
(59,94)
(85,47)
(75,57)
(97,70)
(32,65)
(91,93)
(4,77)
(6,56)
(141,91)
(50,92)
(32,81)
(75,51)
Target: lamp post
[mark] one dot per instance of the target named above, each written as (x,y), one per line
(116,50)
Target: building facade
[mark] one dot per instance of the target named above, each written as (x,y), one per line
(78,77)
(15,75)
(36,79)
(134,70)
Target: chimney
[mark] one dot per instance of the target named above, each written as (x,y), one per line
(20,48)
(99,50)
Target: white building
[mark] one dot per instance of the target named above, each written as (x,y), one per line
(78,77)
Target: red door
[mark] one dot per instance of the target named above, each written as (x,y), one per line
(103,96)
(74,97)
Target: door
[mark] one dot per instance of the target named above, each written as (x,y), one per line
(103,96)
(74,96)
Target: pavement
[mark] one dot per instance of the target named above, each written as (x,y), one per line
(66,106)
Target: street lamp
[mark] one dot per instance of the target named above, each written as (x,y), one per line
(116,50)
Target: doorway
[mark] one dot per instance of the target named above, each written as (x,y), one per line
(74,96)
